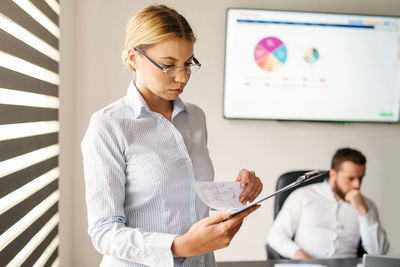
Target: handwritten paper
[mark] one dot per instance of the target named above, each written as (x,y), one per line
(220,195)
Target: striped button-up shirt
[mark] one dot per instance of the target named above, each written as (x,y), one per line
(139,168)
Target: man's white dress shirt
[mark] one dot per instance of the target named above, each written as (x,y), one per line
(139,168)
(324,227)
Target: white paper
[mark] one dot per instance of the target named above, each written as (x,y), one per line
(220,195)
(298,265)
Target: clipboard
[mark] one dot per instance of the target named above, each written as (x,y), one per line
(308,176)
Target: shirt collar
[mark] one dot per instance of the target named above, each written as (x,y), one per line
(329,191)
(140,107)
(179,106)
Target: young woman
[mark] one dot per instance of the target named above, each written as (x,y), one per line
(143,153)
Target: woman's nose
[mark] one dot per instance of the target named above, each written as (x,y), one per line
(182,76)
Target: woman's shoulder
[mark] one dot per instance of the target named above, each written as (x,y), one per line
(113,110)
(194,109)
(112,113)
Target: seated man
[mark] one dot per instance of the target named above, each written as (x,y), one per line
(328,219)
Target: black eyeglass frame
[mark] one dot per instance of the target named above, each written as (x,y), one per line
(165,70)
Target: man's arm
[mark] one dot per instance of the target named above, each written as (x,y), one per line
(284,228)
(373,236)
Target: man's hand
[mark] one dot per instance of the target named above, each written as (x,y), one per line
(300,255)
(355,198)
(251,183)
(211,233)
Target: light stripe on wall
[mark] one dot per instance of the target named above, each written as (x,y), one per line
(47,253)
(24,161)
(20,98)
(18,130)
(8,236)
(34,242)
(22,66)
(22,193)
(54,5)
(55,263)
(37,15)
(28,38)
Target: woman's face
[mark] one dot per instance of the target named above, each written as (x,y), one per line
(152,82)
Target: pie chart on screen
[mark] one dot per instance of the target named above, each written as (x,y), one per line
(270,54)
(311,55)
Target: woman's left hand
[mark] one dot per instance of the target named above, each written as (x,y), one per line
(251,183)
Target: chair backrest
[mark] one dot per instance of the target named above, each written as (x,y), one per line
(287,178)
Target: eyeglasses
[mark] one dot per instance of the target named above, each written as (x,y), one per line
(172,71)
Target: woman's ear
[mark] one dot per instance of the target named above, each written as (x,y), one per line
(133,58)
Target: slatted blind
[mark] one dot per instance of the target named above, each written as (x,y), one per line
(29,173)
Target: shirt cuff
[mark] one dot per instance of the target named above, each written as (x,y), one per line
(292,249)
(161,245)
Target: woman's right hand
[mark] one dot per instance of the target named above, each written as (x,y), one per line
(211,233)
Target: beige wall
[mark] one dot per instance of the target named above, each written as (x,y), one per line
(92,76)
(67,231)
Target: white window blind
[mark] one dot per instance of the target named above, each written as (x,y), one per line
(29,103)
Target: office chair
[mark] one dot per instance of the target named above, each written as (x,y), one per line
(288,178)
(283,181)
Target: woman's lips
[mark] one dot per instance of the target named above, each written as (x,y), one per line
(178,91)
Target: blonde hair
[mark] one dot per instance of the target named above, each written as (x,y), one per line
(152,25)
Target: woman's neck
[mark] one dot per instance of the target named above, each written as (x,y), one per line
(164,107)
(158,104)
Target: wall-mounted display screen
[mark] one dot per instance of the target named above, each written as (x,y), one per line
(311,66)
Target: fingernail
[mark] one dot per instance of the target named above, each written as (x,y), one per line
(241,185)
(241,199)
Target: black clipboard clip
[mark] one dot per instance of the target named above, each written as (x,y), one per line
(308,176)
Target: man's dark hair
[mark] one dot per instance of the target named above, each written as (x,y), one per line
(347,154)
